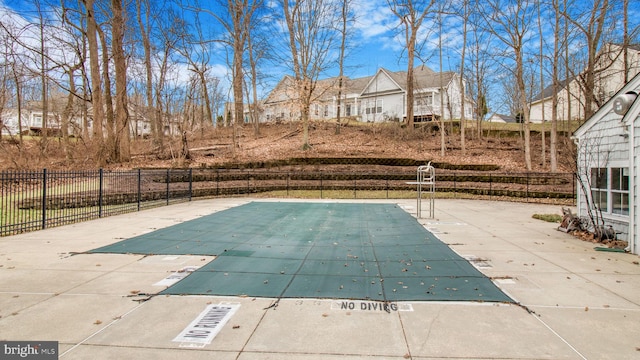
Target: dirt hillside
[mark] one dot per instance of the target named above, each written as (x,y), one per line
(282,141)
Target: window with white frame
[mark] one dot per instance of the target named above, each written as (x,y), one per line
(374,107)
(348,110)
(37,120)
(620,191)
(424,100)
(610,189)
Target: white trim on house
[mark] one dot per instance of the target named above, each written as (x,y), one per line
(385,87)
(632,119)
(621,149)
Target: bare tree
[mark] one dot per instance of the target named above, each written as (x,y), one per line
(75,21)
(542,87)
(465,13)
(196,50)
(311,31)
(109,121)
(14,75)
(443,145)
(509,22)
(96,81)
(43,78)
(555,86)
(591,24)
(344,21)
(411,15)
(170,31)
(593,159)
(238,15)
(144,19)
(122,148)
(479,67)
(258,49)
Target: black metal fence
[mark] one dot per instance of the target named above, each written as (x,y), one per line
(34,200)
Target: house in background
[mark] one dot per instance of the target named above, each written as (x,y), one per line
(230,112)
(501,118)
(282,103)
(30,123)
(377,98)
(609,79)
(608,161)
(139,122)
(384,97)
(325,105)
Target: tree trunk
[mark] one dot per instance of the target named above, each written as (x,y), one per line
(66,114)
(411,43)
(443,146)
(554,97)
(122,113)
(462,84)
(254,111)
(45,90)
(544,144)
(156,134)
(96,88)
(238,73)
(525,107)
(111,145)
(343,38)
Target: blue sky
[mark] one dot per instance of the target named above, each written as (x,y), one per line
(375,41)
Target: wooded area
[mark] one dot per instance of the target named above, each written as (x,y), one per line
(106,68)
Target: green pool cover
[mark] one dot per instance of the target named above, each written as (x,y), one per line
(316,250)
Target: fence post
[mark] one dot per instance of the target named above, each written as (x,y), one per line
(490,186)
(387,181)
(100,189)
(527,186)
(168,180)
(139,187)
(217,182)
(455,187)
(288,179)
(44,198)
(355,187)
(190,183)
(320,184)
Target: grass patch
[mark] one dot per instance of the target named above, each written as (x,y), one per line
(552,218)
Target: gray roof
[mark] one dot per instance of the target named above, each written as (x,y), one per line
(548,91)
(423,77)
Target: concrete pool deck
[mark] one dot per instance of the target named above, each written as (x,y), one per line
(574,302)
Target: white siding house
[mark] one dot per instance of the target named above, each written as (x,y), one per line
(608,146)
(280,104)
(383,98)
(31,121)
(377,98)
(501,118)
(609,79)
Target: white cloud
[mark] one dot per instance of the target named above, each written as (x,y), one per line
(373,19)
